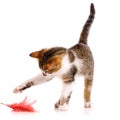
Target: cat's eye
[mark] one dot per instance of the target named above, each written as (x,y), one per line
(46,67)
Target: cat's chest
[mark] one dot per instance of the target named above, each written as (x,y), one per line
(66,65)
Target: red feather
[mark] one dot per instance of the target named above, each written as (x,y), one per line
(23,106)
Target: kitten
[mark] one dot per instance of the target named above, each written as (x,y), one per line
(66,64)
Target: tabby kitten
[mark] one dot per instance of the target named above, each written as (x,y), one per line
(66,64)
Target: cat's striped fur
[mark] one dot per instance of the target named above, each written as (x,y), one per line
(66,64)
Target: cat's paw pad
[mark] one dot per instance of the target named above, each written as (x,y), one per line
(17,90)
(87,105)
(63,107)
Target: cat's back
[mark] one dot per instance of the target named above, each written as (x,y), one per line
(81,50)
(82,55)
(78,56)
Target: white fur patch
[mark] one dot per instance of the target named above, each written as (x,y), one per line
(67,89)
(77,62)
(87,104)
(66,65)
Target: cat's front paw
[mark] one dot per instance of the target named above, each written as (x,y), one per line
(63,107)
(18,90)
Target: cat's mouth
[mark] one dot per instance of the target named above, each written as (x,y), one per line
(44,74)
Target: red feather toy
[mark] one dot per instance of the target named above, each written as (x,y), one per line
(23,106)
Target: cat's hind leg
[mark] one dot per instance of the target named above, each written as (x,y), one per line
(87,92)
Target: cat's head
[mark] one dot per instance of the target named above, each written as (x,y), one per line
(50,60)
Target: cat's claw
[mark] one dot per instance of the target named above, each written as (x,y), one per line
(17,90)
(87,105)
(61,107)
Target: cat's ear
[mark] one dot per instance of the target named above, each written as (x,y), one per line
(37,54)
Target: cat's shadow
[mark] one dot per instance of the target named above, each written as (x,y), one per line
(87,111)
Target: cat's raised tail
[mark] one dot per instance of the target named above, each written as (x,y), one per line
(87,25)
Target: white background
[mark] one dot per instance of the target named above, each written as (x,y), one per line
(29,25)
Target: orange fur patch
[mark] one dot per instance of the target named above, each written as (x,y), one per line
(53,64)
